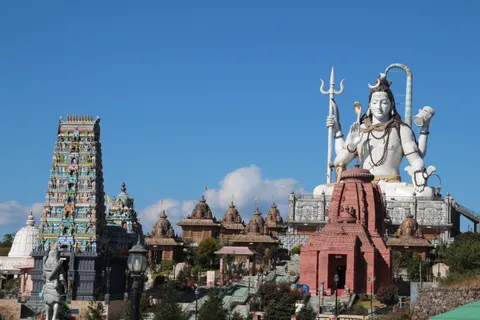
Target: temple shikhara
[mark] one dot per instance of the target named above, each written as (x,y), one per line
(351,244)
(201,224)
(162,242)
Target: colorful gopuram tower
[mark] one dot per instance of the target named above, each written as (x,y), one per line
(73,218)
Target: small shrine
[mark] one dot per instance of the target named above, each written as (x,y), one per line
(232,223)
(201,224)
(162,243)
(123,226)
(274,221)
(350,245)
(18,263)
(256,233)
(409,238)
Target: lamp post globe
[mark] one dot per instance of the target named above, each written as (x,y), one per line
(137,264)
(137,259)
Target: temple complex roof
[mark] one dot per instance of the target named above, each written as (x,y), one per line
(232,219)
(24,241)
(256,225)
(201,215)
(273,218)
(163,228)
(255,231)
(408,235)
(202,210)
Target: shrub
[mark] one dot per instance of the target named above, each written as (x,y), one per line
(388,295)
(291,273)
(296,249)
(157,279)
(95,311)
(167,266)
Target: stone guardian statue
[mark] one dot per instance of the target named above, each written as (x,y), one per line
(54,288)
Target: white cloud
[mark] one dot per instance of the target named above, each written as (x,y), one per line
(13,215)
(243,185)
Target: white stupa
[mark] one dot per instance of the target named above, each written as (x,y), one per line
(24,241)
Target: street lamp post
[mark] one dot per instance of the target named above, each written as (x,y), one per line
(371,280)
(336,278)
(197,293)
(107,294)
(320,296)
(137,264)
(428,269)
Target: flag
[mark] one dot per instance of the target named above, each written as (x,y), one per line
(108,198)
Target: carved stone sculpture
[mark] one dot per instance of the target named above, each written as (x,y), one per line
(380,139)
(55,280)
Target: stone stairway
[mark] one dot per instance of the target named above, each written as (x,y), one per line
(293,240)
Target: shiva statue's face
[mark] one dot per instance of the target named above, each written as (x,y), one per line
(380,106)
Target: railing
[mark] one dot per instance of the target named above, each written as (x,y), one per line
(311,196)
(411,198)
(468,213)
(340,317)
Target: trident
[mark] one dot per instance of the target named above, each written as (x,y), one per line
(331,106)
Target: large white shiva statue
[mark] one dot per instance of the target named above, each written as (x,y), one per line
(380,139)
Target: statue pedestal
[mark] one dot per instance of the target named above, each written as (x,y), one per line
(390,189)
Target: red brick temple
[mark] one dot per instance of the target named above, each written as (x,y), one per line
(351,243)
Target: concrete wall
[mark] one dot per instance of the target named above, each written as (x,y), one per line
(433,301)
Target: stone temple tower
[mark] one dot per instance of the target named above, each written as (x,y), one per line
(73,218)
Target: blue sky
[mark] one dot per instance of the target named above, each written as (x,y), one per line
(195,93)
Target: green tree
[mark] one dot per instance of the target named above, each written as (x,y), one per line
(440,251)
(8,239)
(306,313)
(237,316)
(95,311)
(463,255)
(168,308)
(206,252)
(388,295)
(64,312)
(271,296)
(414,264)
(13,285)
(281,309)
(167,266)
(212,308)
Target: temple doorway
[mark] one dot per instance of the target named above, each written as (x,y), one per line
(337,266)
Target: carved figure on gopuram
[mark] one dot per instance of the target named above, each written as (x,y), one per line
(380,139)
